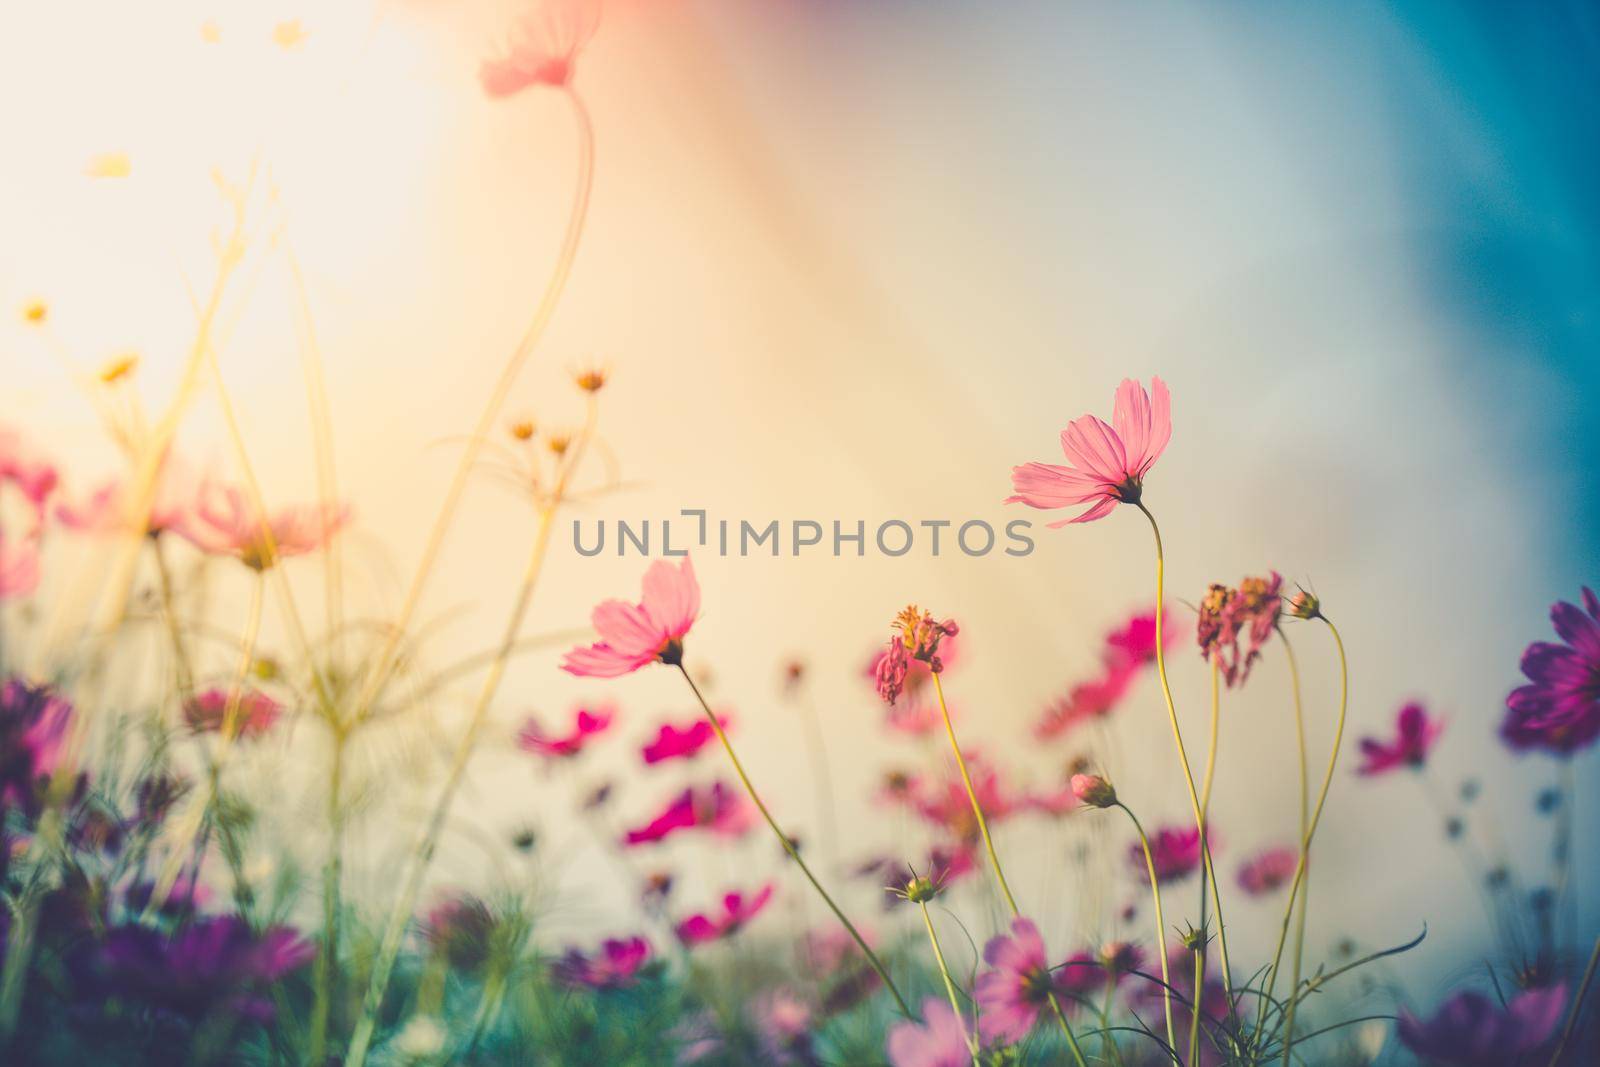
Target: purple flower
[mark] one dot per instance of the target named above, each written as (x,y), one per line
(1174,851)
(1559,710)
(33,726)
(1415,734)
(1470,1030)
(211,964)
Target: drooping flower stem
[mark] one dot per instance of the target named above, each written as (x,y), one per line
(972,795)
(1577,1006)
(1161,925)
(949,985)
(384,661)
(1183,760)
(1305,844)
(422,855)
(788,846)
(994,858)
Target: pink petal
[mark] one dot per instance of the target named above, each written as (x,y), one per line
(1131,417)
(1095,447)
(1047,485)
(1101,509)
(671,597)
(627,628)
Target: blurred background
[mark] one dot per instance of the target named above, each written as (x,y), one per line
(854,261)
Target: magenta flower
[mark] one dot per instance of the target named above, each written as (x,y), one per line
(254,712)
(33,728)
(1471,1030)
(614,966)
(682,742)
(543,47)
(225,523)
(587,723)
(1268,870)
(1415,734)
(1107,464)
(1133,644)
(1174,851)
(1084,703)
(632,635)
(1559,710)
(940,1040)
(719,809)
(1018,986)
(917,637)
(736,911)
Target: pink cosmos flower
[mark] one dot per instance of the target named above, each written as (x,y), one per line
(1107,464)
(1174,851)
(543,47)
(253,715)
(1084,703)
(940,1040)
(1017,988)
(735,913)
(1134,642)
(615,966)
(1226,615)
(1268,870)
(22,466)
(19,566)
(650,631)
(719,809)
(1559,710)
(225,523)
(946,803)
(1415,734)
(783,1023)
(587,723)
(682,742)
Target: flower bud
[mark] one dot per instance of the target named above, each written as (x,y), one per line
(1094,790)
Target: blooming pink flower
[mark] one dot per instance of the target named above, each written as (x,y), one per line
(543,47)
(1415,734)
(719,809)
(1107,464)
(1174,851)
(652,630)
(1134,642)
(22,466)
(1011,995)
(614,966)
(103,510)
(940,1040)
(1268,870)
(682,742)
(253,714)
(19,566)
(587,723)
(736,911)
(1559,710)
(225,523)
(1085,702)
(1250,611)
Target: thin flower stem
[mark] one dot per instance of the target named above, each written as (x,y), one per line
(972,795)
(788,847)
(384,661)
(1161,925)
(1183,760)
(1108,1040)
(1066,1028)
(1577,1005)
(399,915)
(1305,845)
(332,876)
(1199,952)
(1205,815)
(949,985)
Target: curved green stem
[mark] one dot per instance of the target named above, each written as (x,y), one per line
(949,985)
(788,846)
(1205,815)
(1161,925)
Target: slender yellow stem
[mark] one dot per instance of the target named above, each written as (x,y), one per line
(1577,1006)
(1205,816)
(972,795)
(788,846)
(988,844)
(1161,926)
(1183,758)
(1311,830)
(383,662)
(949,985)
(1199,952)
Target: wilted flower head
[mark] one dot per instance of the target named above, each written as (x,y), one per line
(1248,614)
(1471,1030)
(1018,985)
(940,1040)
(252,712)
(916,636)
(616,964)
(543,46)
(1415,734)
(1558,711)
(587,723)
(736,911)
(650,631)
(1268,870)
